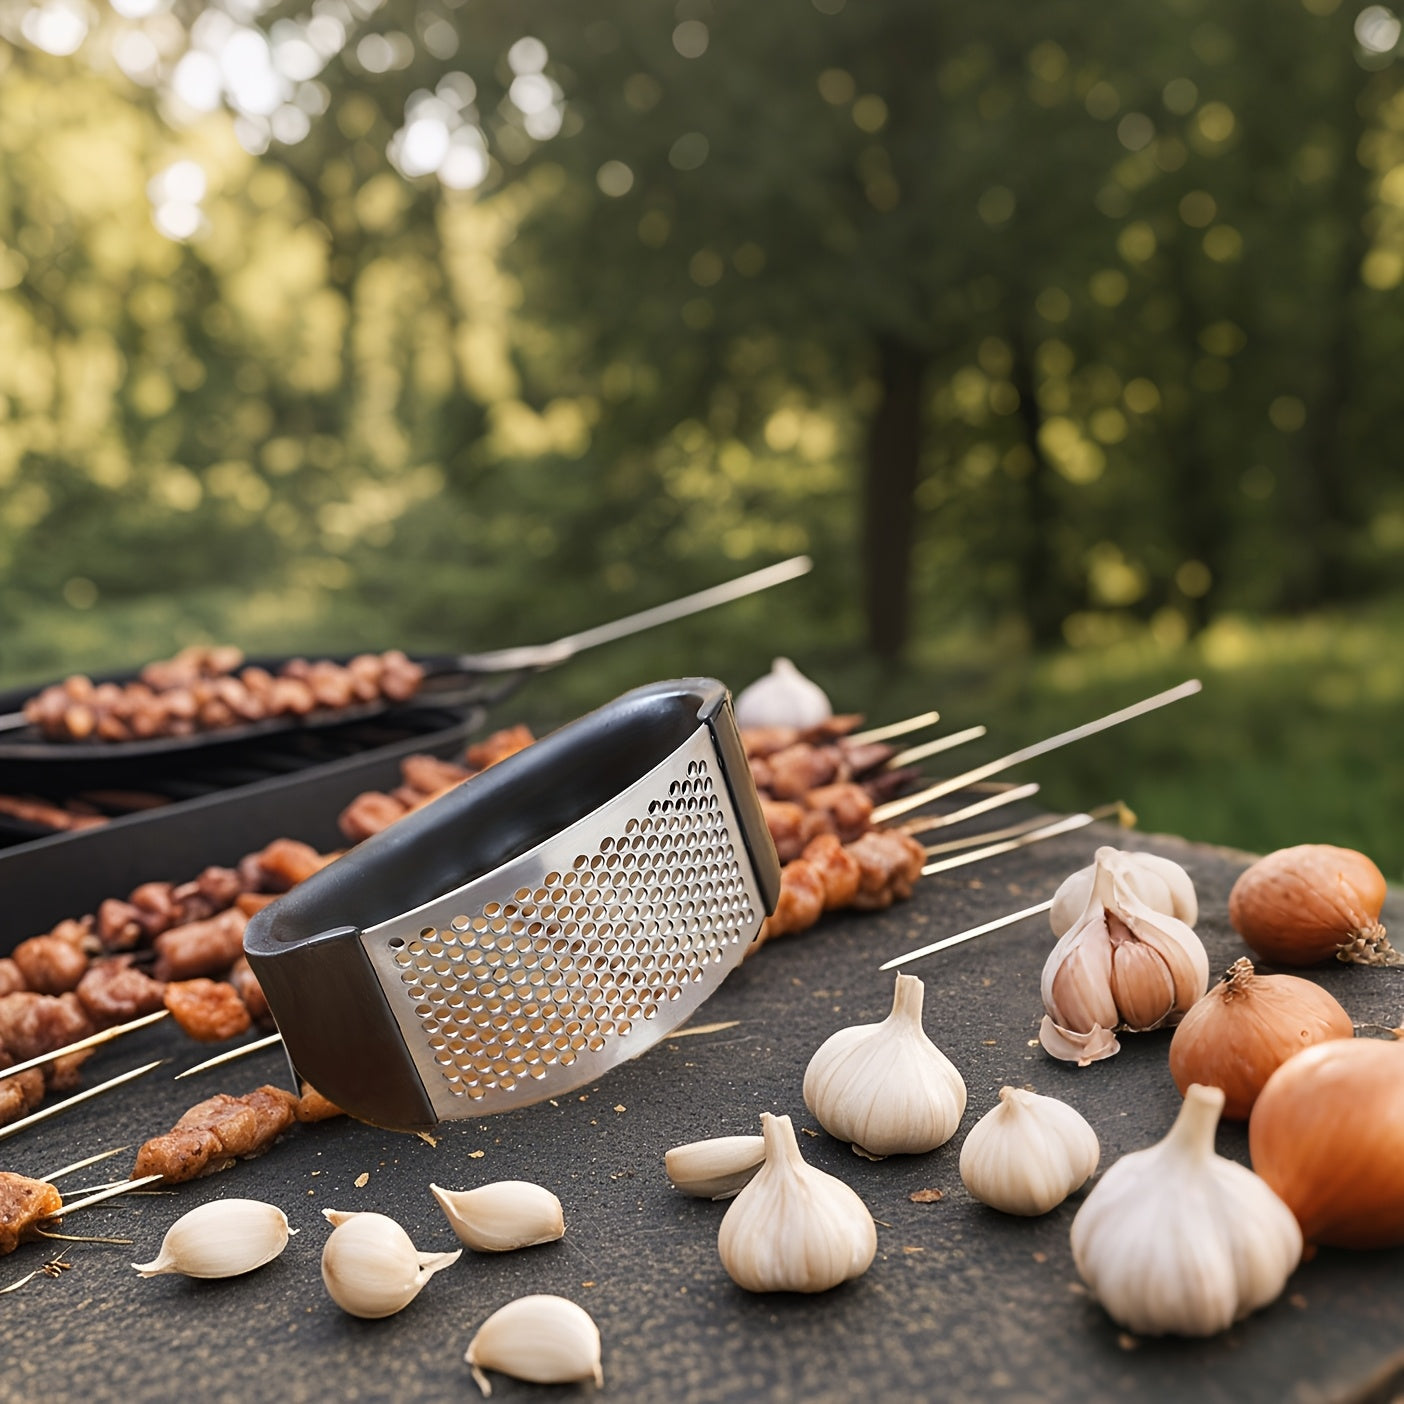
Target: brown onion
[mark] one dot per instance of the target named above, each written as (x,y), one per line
(1300,905)
(1246,1027)
(1327,1134)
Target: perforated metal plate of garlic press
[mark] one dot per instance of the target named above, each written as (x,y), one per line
(556,915)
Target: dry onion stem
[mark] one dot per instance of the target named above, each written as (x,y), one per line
(1301,905)
(1246,1027)
(1327,1133)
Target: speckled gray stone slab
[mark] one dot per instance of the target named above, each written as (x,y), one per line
(962,1304)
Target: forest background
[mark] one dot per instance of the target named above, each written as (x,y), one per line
(1066,338)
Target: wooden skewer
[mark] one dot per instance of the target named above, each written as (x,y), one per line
(92,1041)
(987,836)
(231,1056)
(899,728)
(53,1175)
(893,808)
(1063,826)
(1116,809)
(941,821)
(909,956)
(111,1192)
(933,748)
(25,1122)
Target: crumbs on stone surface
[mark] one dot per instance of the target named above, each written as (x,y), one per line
(363,1179)
(427,1138)
(926,1196)
(620,1107)
(476,1155)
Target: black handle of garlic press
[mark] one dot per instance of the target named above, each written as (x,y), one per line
(336,1024)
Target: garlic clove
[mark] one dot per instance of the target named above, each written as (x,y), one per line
(221,1239)
(886,1088)
(1028,1154)
(500,1217)
(1080,1048)
(716,1169)
(794,1228)
(542,1339)
(1161,884)
(1176,1240)
(370,1266)
(783,697)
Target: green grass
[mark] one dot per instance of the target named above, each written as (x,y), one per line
(1295,738)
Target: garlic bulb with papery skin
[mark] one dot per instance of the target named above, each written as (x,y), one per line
(1122,965)
(371,1267)
(1176,1240)
(1246,1027)
(1028,1154)
(794,1228)
(500,1217)
(886,1088)
(715,1169)
(221,1239)
(1327,1133)
(542,1339)
(1162,885)
(1302,905)
(783,697)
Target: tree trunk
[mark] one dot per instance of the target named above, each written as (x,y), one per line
(1043,595)
(894,451)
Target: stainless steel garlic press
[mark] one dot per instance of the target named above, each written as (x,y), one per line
(556,915)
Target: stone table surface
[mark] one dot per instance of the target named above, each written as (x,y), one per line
(962,1304)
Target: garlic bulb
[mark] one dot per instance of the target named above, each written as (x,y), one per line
(542,1339)
(1028,1154)
(499,1217)
(1327,1133)
(221,1239)
(794,1228)
(783,697)
(886,1087)
(1300,905)
(1121,965)
(715,1169)
(1162,885)
(370,1266)
(1246,1027)
(1175,1240)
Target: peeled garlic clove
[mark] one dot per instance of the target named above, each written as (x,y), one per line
(1175,1240)
(1028,1154)
(794,1228)
(543,1339)
(371,1267)
(221,1239)
(499,1217)
(715,1169)
(1121,965)
(1162,885)
(783,697)
(886,1087)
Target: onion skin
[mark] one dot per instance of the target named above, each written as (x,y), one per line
(1302,905)
(1245,1028)
(1327,1134)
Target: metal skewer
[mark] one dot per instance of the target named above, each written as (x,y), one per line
(25,1122)
(1063,826)
(899,728)
(893,808)
(92,1041)
(232,1055)
(932,748)
(970,811)
(970,935)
